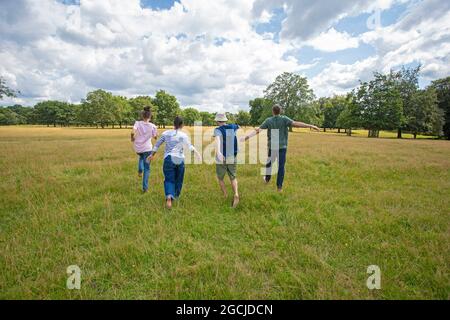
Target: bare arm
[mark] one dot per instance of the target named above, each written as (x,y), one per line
(252,134)
(298,124)
(219,154)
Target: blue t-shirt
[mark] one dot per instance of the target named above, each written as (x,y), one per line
(227,134)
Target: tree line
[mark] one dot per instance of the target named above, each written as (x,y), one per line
(392,101)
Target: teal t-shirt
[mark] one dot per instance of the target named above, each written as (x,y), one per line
(280,123)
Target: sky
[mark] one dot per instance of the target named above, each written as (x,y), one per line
(214,55)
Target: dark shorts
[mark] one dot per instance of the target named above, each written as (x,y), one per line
(229,167)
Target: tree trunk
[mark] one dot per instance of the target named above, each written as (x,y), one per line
(399,133)
(339,130)
(373,133)
(324,129)
(415,135)
(349,132)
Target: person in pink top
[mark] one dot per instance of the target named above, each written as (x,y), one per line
(143,132)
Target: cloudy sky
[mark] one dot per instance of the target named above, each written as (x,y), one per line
(213,54)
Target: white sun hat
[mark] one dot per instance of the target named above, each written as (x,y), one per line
(221,117)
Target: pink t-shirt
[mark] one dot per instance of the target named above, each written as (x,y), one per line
(144,132)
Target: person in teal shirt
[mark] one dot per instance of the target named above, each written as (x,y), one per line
(277,128)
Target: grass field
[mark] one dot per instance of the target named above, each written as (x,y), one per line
(72,197)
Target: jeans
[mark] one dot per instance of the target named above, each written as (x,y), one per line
(275,155)
(173,177)
(144,167)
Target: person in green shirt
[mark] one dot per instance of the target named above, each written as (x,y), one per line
(277,133)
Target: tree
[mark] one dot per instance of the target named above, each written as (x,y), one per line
(168,108)
(407,82)
(207,118)
(332,108)
(190,115)
(350,118)
(25,114)
(5,91)
(8,117)
(100,105)
(121,110)
(46,112)
(442,87)
(138,104)
(424,115)
(260,109)
(243,118)
(231,117)
(380,104)
(292,92)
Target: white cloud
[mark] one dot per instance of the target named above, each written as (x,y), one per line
(332,41)
(205,52)
(308,18)
(421,35)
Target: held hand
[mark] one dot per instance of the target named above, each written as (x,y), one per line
(199,156)
(220,157)
(150,158)
(315,128)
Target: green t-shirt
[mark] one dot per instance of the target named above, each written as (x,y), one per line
(280,123)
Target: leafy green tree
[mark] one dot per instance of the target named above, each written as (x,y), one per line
(243,118)
(168,108)
(292,92)
(5,91)
(442,87)
(231,117)
(121,110)
(46,112)
(8,117)
(332,108)
(207,118)
(190,115)
(380,104)
(350,118)
(138,104)
(424,115)
(25,114)
(407,82)
(100,105)
(260,109)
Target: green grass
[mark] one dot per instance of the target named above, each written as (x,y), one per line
(72,197)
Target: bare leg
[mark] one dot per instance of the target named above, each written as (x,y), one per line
(223,187)
(234,185)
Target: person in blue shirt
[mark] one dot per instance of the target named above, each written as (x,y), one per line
(226,155)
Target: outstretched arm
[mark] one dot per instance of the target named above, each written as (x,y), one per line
(188,143)
(251,134)
(298,124)
(156,147)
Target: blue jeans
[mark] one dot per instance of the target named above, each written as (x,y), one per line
(275,155)
(173,177)
(144,167)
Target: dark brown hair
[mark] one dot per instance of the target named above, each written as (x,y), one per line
(178,122)
(147,113)
(276,109)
